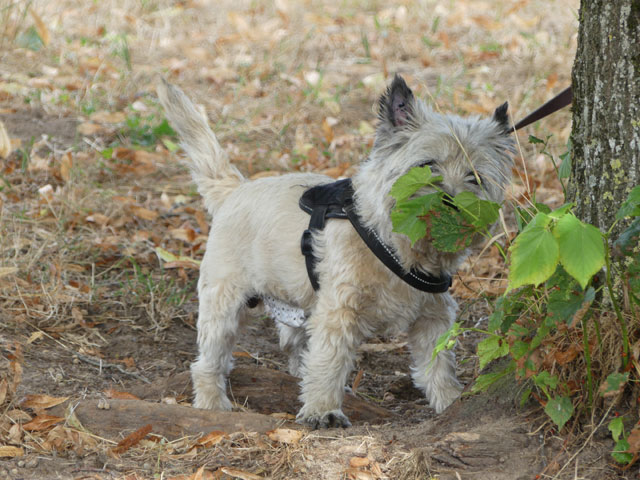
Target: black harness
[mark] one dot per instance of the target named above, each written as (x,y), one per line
(335,200)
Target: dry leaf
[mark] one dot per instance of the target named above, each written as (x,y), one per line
(4,271)
(66,163)
(42,402)
(41,422)
(131,440)
(357,380)
(144,213)
(35,336)
(359,462)
(41,28)
(212,438)
(15,434)
(4,387)
(634,440)
(241,474)
(108,117)
(8,451)
(89,128)
(356,474)
(111,393)
(98,218)
(285,435)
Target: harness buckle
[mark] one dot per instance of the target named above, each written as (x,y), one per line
(305,243)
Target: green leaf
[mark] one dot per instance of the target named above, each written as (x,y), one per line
(534,140)
(406,216)
(491,348)
(172,147)
(581,248)
(565,302)
(614,382)
(525,397)
(485,381)
(620,453)
(447,340)
(559,410)
(411,182)
(448,230)
(564,171)
(534,254)
(546,380)
(30,39)
(629,239)
(480,213)
(631,206)
(164,129)
(616,427)
(519,349)
(560,212)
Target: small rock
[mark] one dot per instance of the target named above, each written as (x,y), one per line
(32,462)
(14,471)
(103,404)
(146,466)
(21,463)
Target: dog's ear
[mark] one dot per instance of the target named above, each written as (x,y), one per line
(501,117)
(395,107)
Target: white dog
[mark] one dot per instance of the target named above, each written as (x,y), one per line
(253,252)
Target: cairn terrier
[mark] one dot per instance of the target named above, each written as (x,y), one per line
(253,251)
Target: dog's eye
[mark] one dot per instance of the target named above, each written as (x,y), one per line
(474,178)
(429,163)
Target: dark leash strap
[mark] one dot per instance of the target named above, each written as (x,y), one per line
(335,200)
(561,100)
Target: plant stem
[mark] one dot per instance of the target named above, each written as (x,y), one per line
(587,358)
(616,307)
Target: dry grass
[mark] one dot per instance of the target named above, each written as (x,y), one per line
(288,86)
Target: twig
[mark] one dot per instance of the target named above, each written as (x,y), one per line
(101,364)
(604,417)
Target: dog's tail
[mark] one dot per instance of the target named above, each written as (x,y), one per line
(210,167)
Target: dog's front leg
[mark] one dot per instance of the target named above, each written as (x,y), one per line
(436,377)
(333,338)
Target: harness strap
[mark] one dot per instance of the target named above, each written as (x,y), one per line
(335,200)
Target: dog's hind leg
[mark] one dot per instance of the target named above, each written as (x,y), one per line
(436,377)
(218,323)
(293,341)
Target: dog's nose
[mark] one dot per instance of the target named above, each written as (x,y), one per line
(447,200)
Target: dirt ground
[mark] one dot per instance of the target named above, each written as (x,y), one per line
(101,229)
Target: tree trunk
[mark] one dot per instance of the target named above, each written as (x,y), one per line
(606,110)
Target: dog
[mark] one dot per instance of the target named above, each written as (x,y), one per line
(253,251)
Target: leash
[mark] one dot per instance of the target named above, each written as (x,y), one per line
(561,100)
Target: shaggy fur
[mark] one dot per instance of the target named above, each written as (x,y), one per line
(254,250)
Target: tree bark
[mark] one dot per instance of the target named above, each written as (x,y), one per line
(606,110)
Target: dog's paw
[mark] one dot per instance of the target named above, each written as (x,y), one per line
(330,419)
(445,396)
(218,403)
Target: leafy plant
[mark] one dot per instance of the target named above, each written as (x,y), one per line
(546,319)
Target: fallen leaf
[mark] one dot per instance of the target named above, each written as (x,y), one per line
(35,336)
(212,438)
(132,439)
(41,28)
(356,474)
(42,402)
(89,128)
(359,462)
(66,163)
(4,271)
(116,394)
(8,451)
(241,474)
(144,213)
(285,435)
(108,117)
(41,422)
